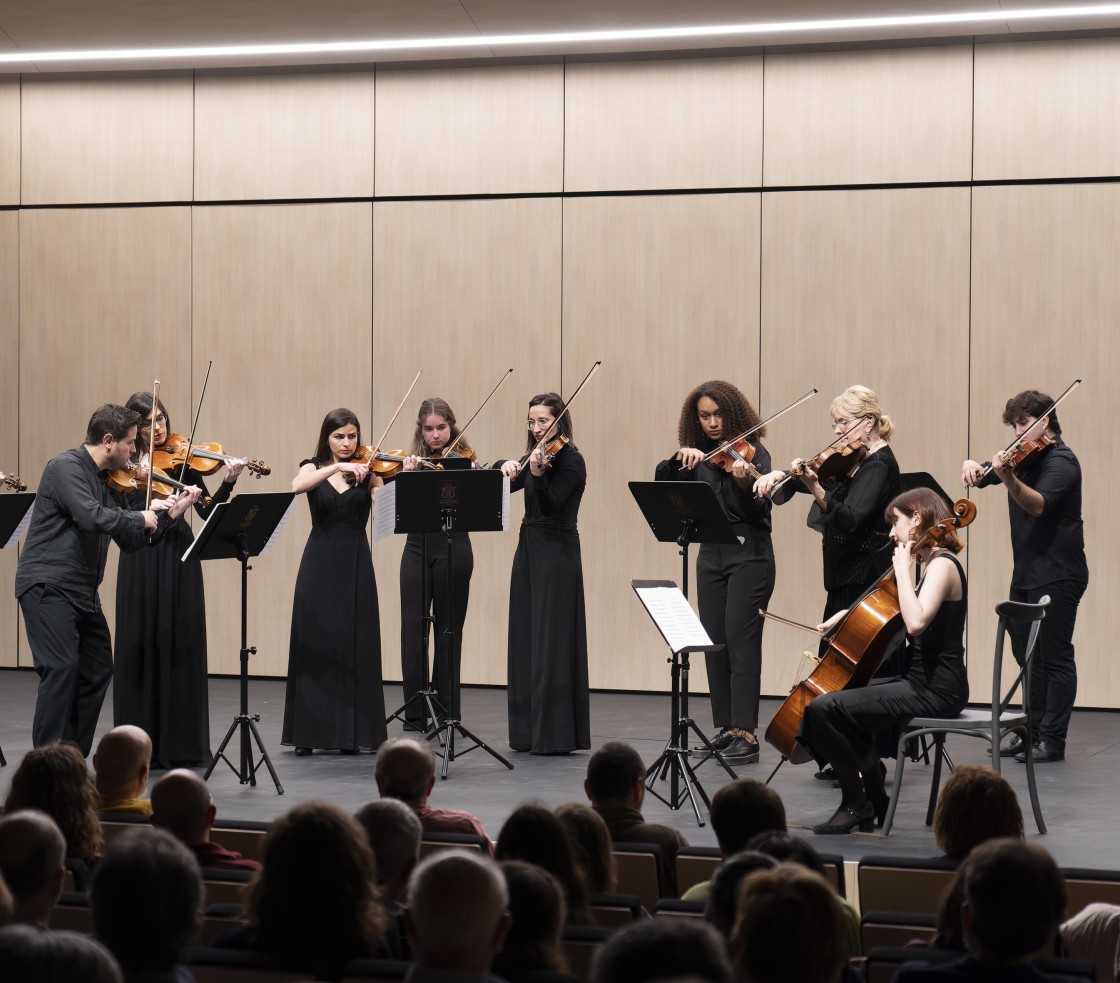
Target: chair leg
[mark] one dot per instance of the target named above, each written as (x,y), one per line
(935,782)
(1034,790)
(896,788)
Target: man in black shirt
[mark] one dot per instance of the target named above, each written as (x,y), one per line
(1048,543)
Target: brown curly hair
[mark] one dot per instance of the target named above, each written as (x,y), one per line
(738,414)
(976,804)
(54,779)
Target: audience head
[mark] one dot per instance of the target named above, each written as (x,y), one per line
(30,955)
(146,897)
(785,848)
(394,835)
(537,916)
(533,834)
(976,804)
(723,892)
(405,770)
(591,842)
(742,809)
(663,949)
(54,779)
(32,863)
(789,927)
(182,805)
(446,933)
(121,762)
(616,773)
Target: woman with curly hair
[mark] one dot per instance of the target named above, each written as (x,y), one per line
(732,581)
(54,779)
(977,804)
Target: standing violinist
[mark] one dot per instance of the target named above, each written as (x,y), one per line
(840,726)
(732,581)
(1048,545)
(424,572)
(159,665)
(549,700)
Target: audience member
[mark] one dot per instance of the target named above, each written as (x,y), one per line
(146,898)
(406,770)
(537,916)
(453,940)
(977,804)
(32,863)
(121,764)
(182,804)
(591,842)
(663,949)
(1093,935)
(535,835)
(7,904)
(740,810)
(723,896)
(30,955)
(394,833)
(54,779)
(616,786)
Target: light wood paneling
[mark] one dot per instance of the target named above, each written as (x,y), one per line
(663,124)
(104,309)
(866,287)
(9,417)
(9,141)
(470,131)
(868,116)
(282,300)
(1044,302)
(284,136)
(107,140)
(665,291)
(465,290)
(1047,109)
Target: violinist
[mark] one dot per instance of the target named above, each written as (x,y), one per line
(840,727)
(732,582)
(159,666)
(333,697)
(549,701)
(1048,547)
(435,429)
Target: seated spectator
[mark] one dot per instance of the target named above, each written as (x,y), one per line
(616,787)
(977,804)
(182,804)
(741,810)
(537,916)
(313,905)
(54,779)
(663,949)
(1093,936)
(406,770)
(7,904)
(32,864)
(121,764)
(394,833)
(30,955)
(723,896)
(146,898)
(591,841)
(452,940)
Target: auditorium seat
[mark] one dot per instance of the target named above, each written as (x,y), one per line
(639,871)
(904,884)
(614,910)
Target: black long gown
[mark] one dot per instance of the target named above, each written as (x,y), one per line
(334,697)
(159,651)
(549,704)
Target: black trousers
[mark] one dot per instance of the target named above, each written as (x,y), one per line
(73,656)
(732,583)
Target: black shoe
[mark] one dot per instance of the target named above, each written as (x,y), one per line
(847,818)
(411,724)
(348,750)
(1013,748)
(723,740)
(880,806)
(741,751)
(1044,751)
(825,775)
(302,752)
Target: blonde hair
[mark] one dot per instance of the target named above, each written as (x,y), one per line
(859,401)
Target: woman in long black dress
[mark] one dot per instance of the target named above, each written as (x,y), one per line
(334,697)
(435,430)
(549,703)
(159,651)
(840,727)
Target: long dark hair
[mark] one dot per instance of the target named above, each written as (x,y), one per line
(555,406)
(738,414)
(433,404)
(930,507)
(142,403)
(340,417)
(533,834)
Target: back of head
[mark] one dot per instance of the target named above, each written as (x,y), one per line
(32,855)
(146,896)
(742,809)
(405,769)
(533,834)
(181,804)
(394,835)
(457,914)
(786,848)
(30,955)
(121,760)
(723,892)
(662,949)
(537,916)
(613,771)
(977,804)
(591,844)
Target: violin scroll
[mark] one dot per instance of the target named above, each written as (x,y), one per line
(12,482)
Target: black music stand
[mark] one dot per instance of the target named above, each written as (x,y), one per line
(240,529)
(451,501)
(15,517)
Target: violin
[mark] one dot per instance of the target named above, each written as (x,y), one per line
(461,451)
(834,462)
(387,465)
(856,644)
(133,477)
(548,452)
(205,458)
(12,482)
(727,454)
(1023,453)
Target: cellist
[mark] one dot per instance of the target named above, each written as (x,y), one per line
(840,727)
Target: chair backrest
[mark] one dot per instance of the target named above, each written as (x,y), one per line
(579,944)
(904,884)
(434,842)
(675,908)
(639,871)
(1015,612)
(615,910)
(220,886)
(238,966)
(696,864)
(1085,886)
(893,929)
(247,842)
(72,912)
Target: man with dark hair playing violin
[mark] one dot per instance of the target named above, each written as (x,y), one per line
(1043,481)
(60,569)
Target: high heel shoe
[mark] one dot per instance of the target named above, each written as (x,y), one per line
(880,806)
(847,818)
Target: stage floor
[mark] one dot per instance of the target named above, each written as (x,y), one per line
(1080,796)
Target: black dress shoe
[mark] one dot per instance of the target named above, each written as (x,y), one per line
(847,818)
(880,806)
(825,775)
(1014,747)
(1044,751)
(723,740)
(741,751)
(302,752)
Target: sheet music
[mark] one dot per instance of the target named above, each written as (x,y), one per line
(17,534)
(385,511)
(505,503)
(280,526)
(673,616)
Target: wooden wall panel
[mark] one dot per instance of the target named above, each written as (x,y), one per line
(470,131)
(105,308)
(665,291)
(465,290)
(868,116)
(9,419)
(1044,302)
(1047,109)
(282,300)
(663,124)
(9,141)
(867,287)
(284,136)
(107,139)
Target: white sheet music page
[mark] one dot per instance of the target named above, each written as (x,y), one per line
(280,526)
(385,511)
(673,616)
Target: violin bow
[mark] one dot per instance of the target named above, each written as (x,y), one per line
(450,447)
(1050,409)
(151,441)
(194,425)
(400,406)
(758,426)
(559,416)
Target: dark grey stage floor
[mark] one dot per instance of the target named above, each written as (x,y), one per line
(1080,797)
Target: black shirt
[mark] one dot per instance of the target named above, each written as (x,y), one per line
(552,500)
(739,504)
